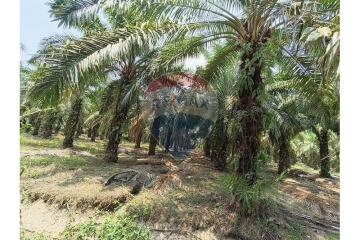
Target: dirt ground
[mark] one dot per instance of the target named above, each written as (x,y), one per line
(61,187)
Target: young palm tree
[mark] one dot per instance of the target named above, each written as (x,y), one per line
(283,117)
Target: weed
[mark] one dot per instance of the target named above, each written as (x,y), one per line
(37,236)
(115,227)
(142,212)
(251,197)
(295,232)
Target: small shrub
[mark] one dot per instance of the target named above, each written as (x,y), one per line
(141,212)
(119,228)
(252,198)
(81,231)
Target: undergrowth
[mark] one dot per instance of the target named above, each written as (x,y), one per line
(114,227)
(252,198)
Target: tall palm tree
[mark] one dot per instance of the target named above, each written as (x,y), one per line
(247,26)
(223,83)
(317,71)
(124,48)
(52,86)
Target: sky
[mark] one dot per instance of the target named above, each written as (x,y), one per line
(36,24)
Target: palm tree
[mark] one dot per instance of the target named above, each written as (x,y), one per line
(223,83)
(283,117)
(50,117)
(124,49)
(52,86)
(72,121)
(317,71)
(247,26)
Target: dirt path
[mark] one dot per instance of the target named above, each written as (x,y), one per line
(49,219)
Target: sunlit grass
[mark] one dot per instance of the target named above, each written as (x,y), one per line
(61,161)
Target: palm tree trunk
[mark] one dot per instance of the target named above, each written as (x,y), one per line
(219,145)
(58,124)
(207,146)
(139,137)
(89,130)
(114,137)
(94,130)
(249,107)
(79,127)
(284,156)
(72,122)
(154,135)
(49,124)
(114,133)
(37,124)
(169,132)
(324,154)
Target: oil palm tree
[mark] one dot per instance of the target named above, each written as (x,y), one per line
(123,49)
(52,86)
(284,117)
(247,27)
(316,71)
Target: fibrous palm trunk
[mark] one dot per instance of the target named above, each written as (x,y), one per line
(49,124)
(219,144)
(324,154)
(284,156)
(118,118)
(79,127)
(37,124)
(114,137)
(169,132)
(248,136)
(89,132)
(72,122)
(154,135)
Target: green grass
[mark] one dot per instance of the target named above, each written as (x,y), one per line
(59,161)
(36,236)
(295,232)
(333,237)
(28,142)
(305,168)
(114,227)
